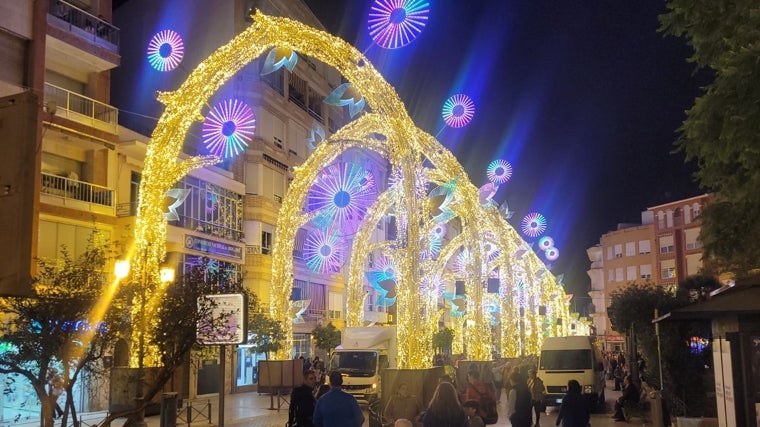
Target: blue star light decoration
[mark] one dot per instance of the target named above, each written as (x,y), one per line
(383,280)
(277,58)
(486,194)
(344,95)
(341,195)
(445,194)
(179,195)
(316,136)
(165,50)
(458,303)
(323,252)
(297,309)
(228,128)
(396,23)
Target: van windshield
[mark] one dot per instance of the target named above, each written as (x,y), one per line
(560,360)
(354,363)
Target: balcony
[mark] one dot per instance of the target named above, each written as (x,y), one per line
(76,21)
(81,109)
(77,194)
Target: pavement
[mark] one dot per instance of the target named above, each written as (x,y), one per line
(261,410)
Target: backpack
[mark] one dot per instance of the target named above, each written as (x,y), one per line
(487,410)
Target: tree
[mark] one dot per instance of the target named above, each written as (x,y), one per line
(443,339)
(632,308)
(326,337)
(266,333)
(53,336)
(722,129)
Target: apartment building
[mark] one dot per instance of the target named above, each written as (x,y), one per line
(663,249)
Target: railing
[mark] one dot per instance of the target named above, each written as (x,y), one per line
(73,189)
(208,228)
(126,209)
(81,108)
(71,18)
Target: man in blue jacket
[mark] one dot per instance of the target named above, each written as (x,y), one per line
(337,408)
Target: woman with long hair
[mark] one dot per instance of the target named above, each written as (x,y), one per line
(402,405)
(574,411)
(444,409)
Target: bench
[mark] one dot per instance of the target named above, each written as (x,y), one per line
(640,409)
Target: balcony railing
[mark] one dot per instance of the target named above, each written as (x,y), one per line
(81,109)
(75,20)
(72,189)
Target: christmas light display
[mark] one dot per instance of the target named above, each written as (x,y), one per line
(458,111)
(165,50)
(499,171)
(545,243)
(341,195)
(396,23)
(407,149)
(316,136)
(345,95)
(323,252)
(552,254)
(533,224)
(278,58)
(228,128)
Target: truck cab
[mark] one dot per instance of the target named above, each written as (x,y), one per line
(571,358)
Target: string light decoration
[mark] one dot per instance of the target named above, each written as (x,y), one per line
(499,171)
(458,111)
(396,23)
(545,243)
(341,195)
(323,252)
(552,254)
(277,58)
(533,224)
(228,128)
(165,50)
(403,145)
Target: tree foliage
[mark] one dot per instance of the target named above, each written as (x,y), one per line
(266,333)
(722,129)
(326,337)
(443,339)
(56,332)
(632,309)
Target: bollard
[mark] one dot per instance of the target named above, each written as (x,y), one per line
(169,409)
(658,409)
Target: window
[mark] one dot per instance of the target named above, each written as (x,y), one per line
(691,237)
(134,192)
(610,276)
(669,218)
(76,239)
(335,305)
(660,219)
(274,184)
(644,247)
(693,264)
(695,210)
(609,252)
(266,242)
(630,248)
(630,273)
(619,274)
(668,269)
(666,244)
(618,251)
(646,271)
(210,209)
(370,260)
(686,214)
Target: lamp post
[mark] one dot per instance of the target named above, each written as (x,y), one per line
(166,275)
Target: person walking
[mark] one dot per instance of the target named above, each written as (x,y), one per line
(444,409)
(402,405)
(537,389)
(519,400)
(574,410)
(302,402)
(337,408)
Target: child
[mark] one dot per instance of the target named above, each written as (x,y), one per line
(471,410)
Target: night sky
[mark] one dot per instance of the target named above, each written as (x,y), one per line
(584,102)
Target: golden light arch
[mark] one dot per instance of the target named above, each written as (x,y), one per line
(389,117)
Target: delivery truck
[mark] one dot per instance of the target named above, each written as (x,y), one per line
(571,358)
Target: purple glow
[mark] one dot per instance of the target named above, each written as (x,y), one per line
(341,194)
(165,50)
(533,225)
(228,128)
(323,252)
(396,23)
(458,111)
(499,171)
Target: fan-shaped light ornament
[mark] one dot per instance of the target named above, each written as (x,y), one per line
(499,171)
(533,224)
(462,262)
(486,194)
(323,252)
(439,231)
(341,195)
(228,128)
(345,95)
(396,23)
(551,254)
(165,50)
(316,136)
(490,250)
(545,243)
(458,111)
(277,58)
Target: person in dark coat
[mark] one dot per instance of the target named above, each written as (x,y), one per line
(337,408)
(574,411)
(520,404)
(444,409)
(631,393)
(302,402)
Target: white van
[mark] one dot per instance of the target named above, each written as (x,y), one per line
(571,358)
